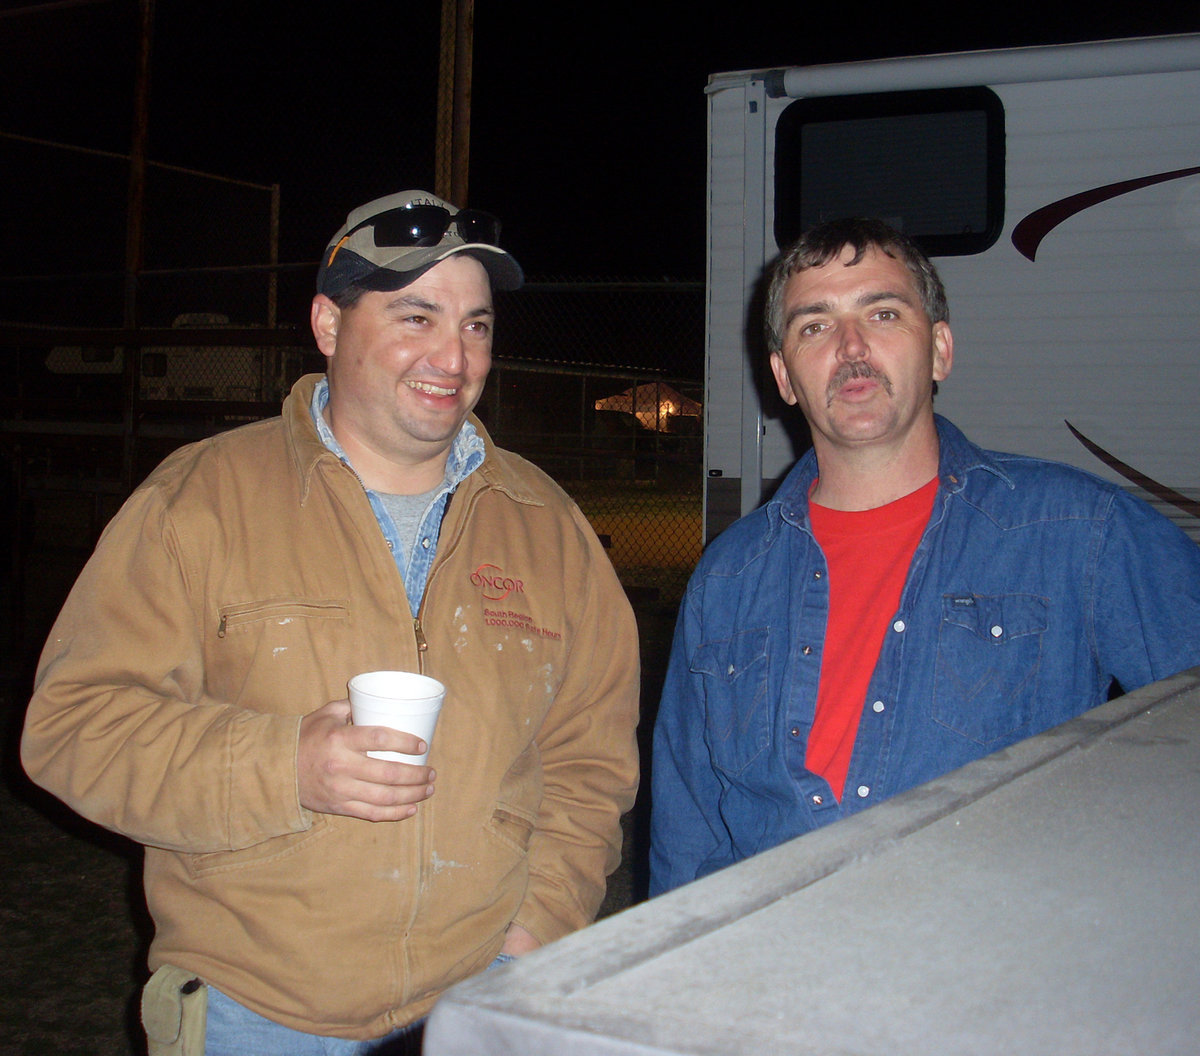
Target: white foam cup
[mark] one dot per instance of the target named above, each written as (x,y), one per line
(400,700)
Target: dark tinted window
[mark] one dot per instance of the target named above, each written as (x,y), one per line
(931,163)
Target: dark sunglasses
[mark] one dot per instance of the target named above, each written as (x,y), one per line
(426,225)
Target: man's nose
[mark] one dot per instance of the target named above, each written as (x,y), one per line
(449,353)
(853,343)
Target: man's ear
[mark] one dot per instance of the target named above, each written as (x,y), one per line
(943,351)
(779,369)
(325,318)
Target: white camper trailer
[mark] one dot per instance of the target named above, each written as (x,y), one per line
(1058,190)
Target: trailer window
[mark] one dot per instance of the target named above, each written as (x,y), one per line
(930,163)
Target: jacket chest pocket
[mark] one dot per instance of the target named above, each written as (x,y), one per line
(248,616)
(737,708)
(988,655)
(270,653)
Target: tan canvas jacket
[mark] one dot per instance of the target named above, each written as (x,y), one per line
(240,588)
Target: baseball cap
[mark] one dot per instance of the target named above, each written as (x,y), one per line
(390,242)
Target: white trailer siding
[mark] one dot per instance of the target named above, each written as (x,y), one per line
(737,242)
(1100,329)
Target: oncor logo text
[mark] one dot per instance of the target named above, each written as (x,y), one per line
(496,586)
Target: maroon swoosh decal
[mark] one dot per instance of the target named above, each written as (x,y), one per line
(1159,491)
(1028,234)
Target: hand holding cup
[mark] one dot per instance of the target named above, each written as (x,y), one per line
(400,700)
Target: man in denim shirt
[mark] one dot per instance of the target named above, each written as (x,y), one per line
(907,602)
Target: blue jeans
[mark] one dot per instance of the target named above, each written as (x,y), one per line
(234,1030)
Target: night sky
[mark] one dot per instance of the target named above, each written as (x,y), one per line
(588,126)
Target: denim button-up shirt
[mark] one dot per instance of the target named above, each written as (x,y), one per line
(1034,587)
(466,455)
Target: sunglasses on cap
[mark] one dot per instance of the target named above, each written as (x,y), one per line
(426,225)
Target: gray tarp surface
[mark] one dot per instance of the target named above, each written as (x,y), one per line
(1042,900)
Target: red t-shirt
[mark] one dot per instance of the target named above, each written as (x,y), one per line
(868,553)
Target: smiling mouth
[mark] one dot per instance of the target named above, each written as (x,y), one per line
(431,389)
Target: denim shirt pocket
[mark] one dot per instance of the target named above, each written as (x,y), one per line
(737,712)
(988,654)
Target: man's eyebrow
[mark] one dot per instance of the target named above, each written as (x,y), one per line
(411,301)
(864,301)
(875,296)
(816,308)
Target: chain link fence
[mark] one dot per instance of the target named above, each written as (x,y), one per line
(581,385)
(600,384)
(109,368)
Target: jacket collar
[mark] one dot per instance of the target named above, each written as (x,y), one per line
(466,452)
(957,457)
(307,451)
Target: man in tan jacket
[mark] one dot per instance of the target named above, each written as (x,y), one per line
(192,693)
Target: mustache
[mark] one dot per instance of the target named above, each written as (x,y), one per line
(850,372)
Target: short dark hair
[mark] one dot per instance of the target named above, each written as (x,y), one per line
(825,242)
(348,296)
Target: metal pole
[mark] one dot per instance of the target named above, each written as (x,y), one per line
(135,242)
(464,55)
(273,283)
(136,208)
(453,147)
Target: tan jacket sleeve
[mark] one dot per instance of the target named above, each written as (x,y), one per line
(120,726)
(589,756)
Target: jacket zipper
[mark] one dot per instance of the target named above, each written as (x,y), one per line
(238,614)
(438,561)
